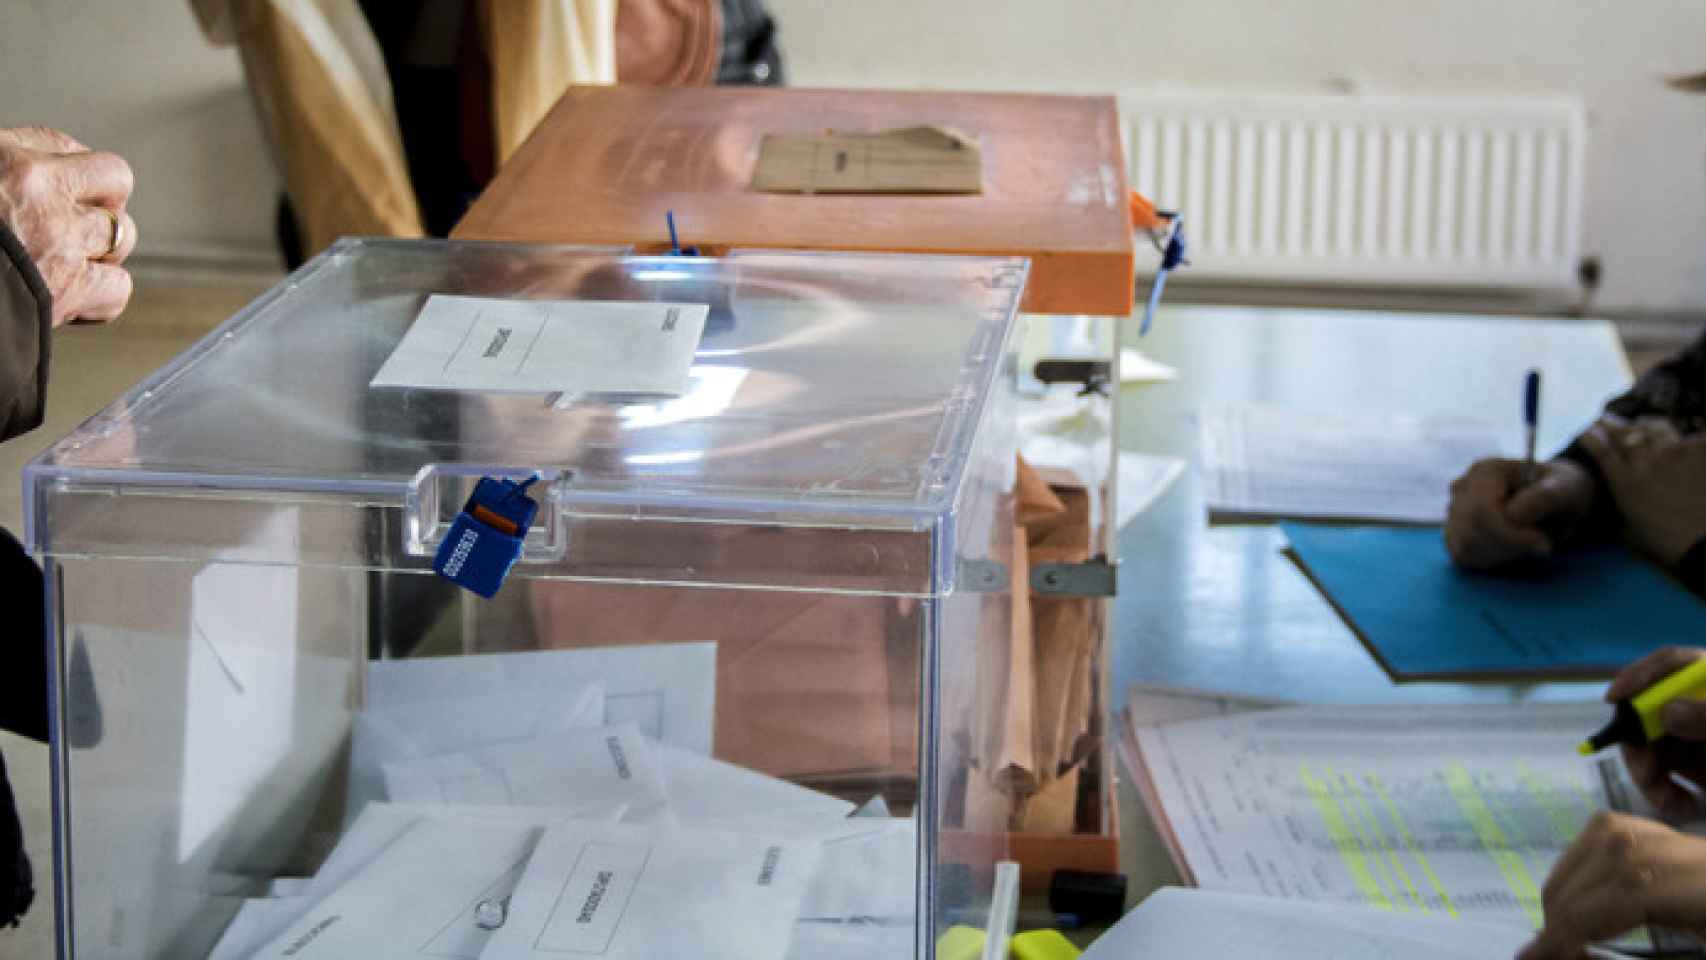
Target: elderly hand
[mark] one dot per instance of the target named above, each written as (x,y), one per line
(66,203)
(1656,766)
(1621,873)
(1495,519)
(1658,480)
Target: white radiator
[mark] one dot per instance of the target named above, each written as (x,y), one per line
(1350,190)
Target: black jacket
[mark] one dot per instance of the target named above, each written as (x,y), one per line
(1675,389)
(26,321)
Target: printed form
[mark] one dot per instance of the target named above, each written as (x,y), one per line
(1458,811)
(1268,462)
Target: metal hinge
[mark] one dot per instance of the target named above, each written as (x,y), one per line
(1092,578)
(983,576)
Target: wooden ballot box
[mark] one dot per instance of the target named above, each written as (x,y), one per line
(608,166)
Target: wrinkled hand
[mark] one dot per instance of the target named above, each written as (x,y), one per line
(1658,480)
(1495,520)
(1655,766)
(60,199)
(1621,873)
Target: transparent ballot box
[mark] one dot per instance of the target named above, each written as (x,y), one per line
(610,165)
(726,702)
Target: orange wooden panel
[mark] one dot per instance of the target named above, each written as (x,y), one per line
(607,162)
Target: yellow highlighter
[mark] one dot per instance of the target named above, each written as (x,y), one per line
(1042,945)
(1636,721)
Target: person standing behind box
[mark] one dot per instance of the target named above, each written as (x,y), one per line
(63,234)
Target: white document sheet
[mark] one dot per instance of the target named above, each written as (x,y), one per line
(417,898)
(639,893)
(1143,479)
(1072,433)
(592,767)
(258,922)
(1181,924)
(668,690)
(404,731)
(863,898)
(1147,706)
(700,788)
(1137,367)
(1268,462)
(546,346)
(248,725)
(1443,810)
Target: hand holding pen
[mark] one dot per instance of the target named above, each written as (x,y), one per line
(1506,511)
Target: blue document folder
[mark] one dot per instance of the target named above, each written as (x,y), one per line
(1588,611)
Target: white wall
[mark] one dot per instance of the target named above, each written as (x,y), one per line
(135,76)
(1645,210)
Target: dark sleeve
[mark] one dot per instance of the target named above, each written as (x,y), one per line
(1676,389)
(23,659)
(26,322)
(17,885)
(1692,569)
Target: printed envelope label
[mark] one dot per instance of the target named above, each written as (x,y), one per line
(590,907)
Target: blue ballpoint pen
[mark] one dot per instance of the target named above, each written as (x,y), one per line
(1530,419)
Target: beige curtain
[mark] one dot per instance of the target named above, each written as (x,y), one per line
(324,99)
(537,49)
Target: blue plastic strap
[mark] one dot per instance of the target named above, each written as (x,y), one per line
(1172,257)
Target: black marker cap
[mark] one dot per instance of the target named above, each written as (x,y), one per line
(1625,727)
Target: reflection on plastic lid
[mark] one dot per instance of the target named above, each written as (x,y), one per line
(665,459)
(710,391)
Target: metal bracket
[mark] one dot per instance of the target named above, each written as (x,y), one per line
(1095,375)
(983,576)
(1092,578)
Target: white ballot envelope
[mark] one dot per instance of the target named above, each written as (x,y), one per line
(498,345)
(419,897)
(261,920)
(642,892)
(701,788)
(597,767)
(404,731)
(667,689)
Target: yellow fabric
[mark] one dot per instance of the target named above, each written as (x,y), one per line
(537,49)
(324,99)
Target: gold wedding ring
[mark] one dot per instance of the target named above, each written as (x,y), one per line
(118,234)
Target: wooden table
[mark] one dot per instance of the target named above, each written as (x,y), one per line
(1218,608)
(607,163)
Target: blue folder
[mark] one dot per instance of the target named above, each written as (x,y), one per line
(1586,612)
